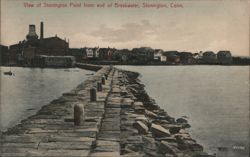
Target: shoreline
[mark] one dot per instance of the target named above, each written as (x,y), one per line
(124,121)
(98,66)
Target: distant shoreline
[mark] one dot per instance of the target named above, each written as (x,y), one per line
(129,65)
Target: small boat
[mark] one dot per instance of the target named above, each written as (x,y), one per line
(89,74)
(8,73)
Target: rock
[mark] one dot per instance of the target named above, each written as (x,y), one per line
(142,119)
(138,103)
(133,147)
(182,136)
(160,122)
(162,117)
(186,125)
(193,146)
(141,127)
(149,142)
(139,109)
(167,148)
(189,144)
(183,131)
(181,120)
(196,147)
(150,114)
(107,146)
(150,153)
(167,139)
(126,103)
(159,131)
(173,129)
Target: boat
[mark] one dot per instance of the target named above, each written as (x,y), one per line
(8,73)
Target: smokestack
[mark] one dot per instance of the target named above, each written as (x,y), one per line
(41,30)
(32,33)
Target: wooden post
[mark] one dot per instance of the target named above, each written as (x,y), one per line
(92,94)
(78,114)
(99,86)
(106,76)
(103,80)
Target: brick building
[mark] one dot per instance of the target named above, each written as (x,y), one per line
(4,54)
(27,50)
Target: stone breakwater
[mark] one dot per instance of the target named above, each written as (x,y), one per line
(119,119)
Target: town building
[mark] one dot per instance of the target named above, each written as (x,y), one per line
(25,51)
(143,54)
(209,57)
(4,55)
(241,60)
(158,54)
(172,57)
(90,53)
(106,53)
(224,57)
(55,61)
(77,53)
(124,56)
(186,58)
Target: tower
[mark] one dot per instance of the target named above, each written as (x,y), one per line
(32,33)
(41,30)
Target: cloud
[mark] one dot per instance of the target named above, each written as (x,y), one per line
(126,33)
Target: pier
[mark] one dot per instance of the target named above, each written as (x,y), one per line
(109,115)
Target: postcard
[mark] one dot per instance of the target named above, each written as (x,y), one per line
(132,78)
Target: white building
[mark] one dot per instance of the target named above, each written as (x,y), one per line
(90,53)
(158,56)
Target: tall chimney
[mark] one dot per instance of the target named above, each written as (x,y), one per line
(41,30)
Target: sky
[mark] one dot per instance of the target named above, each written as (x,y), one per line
(195,25)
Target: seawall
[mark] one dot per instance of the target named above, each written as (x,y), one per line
(88,66)
(122,121)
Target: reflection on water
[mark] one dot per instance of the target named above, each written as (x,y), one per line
(215,98)
(23,94)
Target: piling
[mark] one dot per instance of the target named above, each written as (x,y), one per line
(78,114)
(106,76)
(92,94)
(99,86)
(103,80)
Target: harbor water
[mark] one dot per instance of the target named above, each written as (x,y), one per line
(214,98)
(25,92)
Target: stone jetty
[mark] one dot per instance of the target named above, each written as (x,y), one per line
(108,115)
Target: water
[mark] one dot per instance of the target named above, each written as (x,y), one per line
(215,98)
(25,93)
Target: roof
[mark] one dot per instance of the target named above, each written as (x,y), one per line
(170,53)
(51,38)
(209,53)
